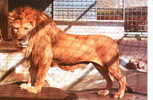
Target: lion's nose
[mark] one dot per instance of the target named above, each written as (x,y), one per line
(20,39)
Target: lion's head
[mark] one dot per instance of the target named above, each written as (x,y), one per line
(22,20)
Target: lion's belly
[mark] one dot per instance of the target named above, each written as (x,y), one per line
(70,51)
(71,54)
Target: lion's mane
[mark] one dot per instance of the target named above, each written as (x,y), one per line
(39,20)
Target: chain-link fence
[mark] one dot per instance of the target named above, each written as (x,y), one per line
(136,19)
(134,15)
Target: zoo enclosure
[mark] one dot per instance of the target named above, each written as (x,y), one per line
(99,15)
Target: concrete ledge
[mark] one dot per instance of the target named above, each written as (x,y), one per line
(13,92)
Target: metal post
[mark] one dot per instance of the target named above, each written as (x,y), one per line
(123,3)
(52,9)
(4,19)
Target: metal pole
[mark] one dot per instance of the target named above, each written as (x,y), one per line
(52,9)
(123,1)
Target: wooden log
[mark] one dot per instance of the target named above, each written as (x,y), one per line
(13,92)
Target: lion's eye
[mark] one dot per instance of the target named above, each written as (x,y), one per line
(25,28)
(15,29)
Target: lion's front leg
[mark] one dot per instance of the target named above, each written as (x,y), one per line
(37,78)
(40,64)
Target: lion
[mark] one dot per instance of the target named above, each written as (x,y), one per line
(45,45)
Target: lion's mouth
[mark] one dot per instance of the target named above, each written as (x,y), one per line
(23,44)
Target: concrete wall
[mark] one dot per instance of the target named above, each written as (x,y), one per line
(112,29)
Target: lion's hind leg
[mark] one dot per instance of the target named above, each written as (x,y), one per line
(104,72)
(115,71)
(109,73)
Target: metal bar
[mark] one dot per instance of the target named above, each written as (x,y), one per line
(123,1)
(52,13)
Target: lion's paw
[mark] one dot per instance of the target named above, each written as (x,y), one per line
(33,90)
(118,95)
(25,85)
(30,88)
(103,92)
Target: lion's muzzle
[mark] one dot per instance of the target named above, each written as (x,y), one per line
(23,43)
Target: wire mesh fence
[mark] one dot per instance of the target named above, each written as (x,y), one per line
(109,14)
(72,9)
(135,17)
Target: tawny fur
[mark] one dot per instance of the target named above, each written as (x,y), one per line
(51,46)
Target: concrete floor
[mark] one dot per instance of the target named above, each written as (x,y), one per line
(136,80)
